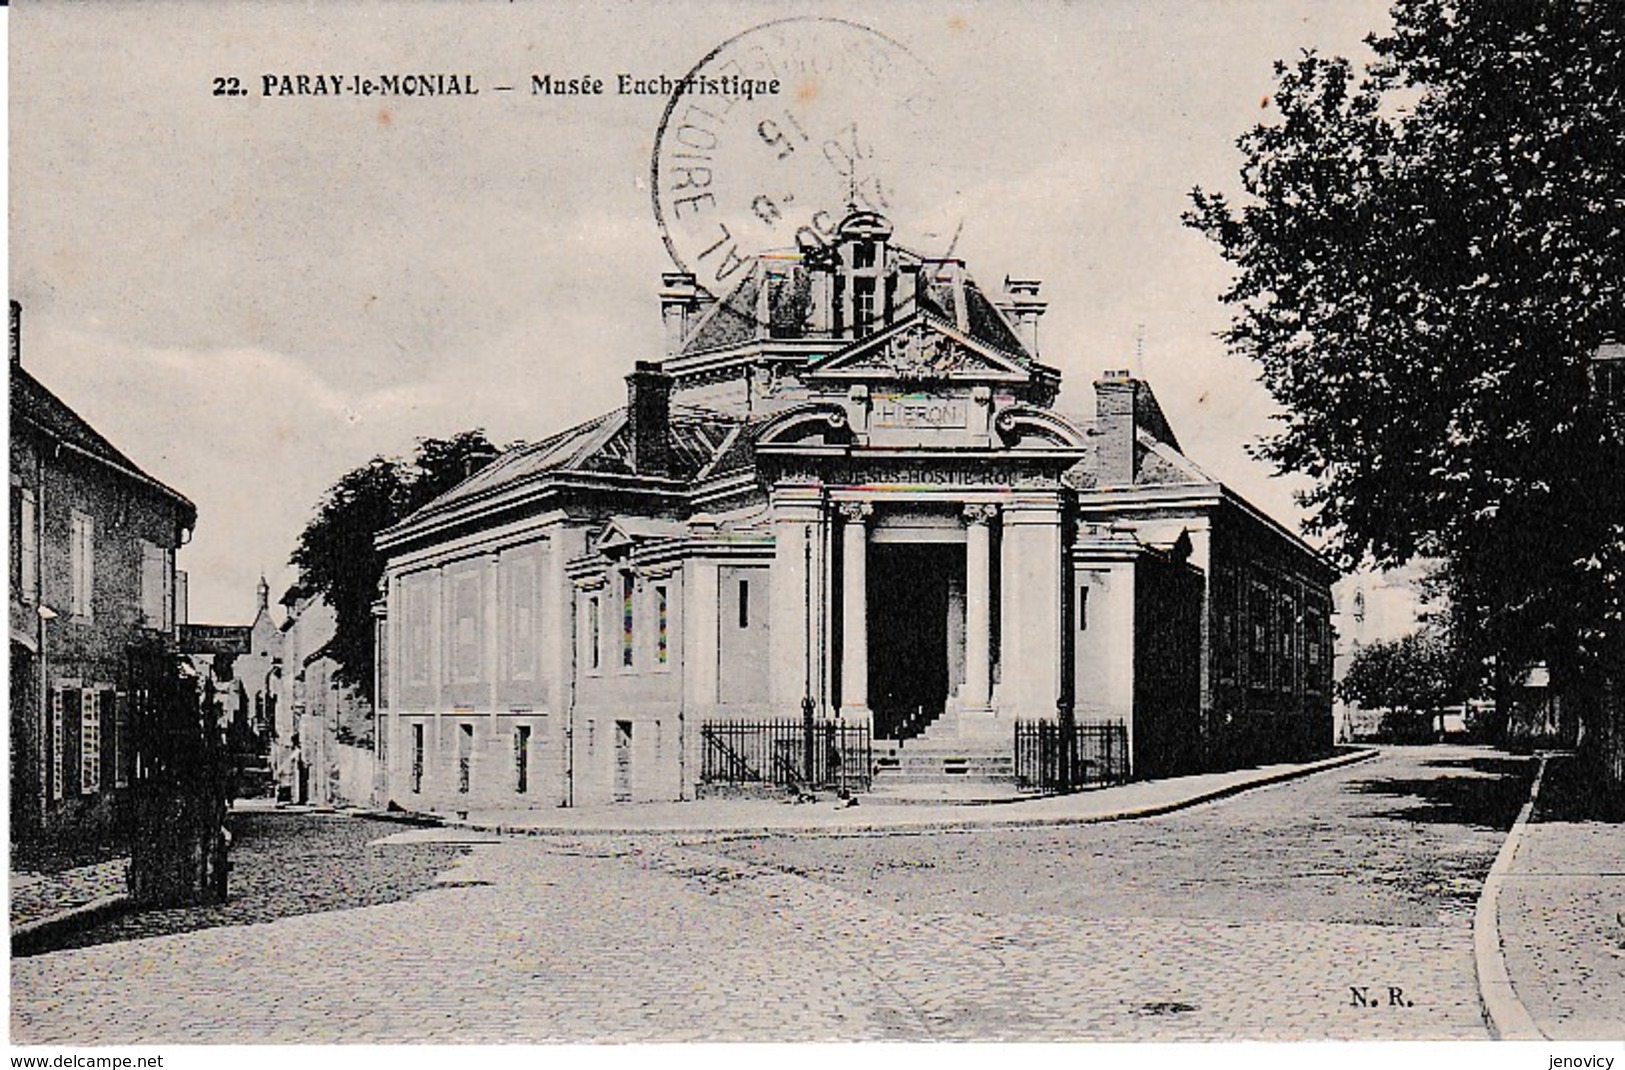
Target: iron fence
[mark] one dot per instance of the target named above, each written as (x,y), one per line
(1051,757)
(777,752)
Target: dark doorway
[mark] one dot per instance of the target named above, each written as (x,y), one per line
(908,633)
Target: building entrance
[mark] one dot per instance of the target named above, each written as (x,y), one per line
(912,596)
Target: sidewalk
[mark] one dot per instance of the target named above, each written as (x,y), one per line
(834,817)
(39,899)
(1561,915)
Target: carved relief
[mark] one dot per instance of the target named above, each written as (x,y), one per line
(980,513)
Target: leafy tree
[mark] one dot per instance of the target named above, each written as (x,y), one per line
(336,557)
(1429,254)
(1419,673)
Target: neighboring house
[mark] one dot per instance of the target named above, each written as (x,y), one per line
(331,722)
(93,541)
(845,488)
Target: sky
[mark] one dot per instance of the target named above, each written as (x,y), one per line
(252,295)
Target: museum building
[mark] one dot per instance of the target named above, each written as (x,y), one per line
(844,487)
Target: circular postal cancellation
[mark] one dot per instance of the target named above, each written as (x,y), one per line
(783,131)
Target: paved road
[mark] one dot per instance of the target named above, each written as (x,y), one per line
(1250,918)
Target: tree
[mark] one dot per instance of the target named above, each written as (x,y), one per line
(1430,253)
(1419,673)
(336,557)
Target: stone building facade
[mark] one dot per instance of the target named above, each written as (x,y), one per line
(93,541)
(846,486)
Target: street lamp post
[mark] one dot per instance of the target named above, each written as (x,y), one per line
(1065,718)
(809,745)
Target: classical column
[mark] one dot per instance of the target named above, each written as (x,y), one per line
(978,604)
(855,608)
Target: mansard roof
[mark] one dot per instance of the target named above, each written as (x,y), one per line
(738,316)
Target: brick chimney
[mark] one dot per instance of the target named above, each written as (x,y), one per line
(1115,395)
(1021,305)
(648,418)
(1124,407)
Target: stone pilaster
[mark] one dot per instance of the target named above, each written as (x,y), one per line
(855,609)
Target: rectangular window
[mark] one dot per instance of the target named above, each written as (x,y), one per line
(465,757)
(121,739)
(627,585)
(1083,609)
(154,588)
(593,633)
(58,739)
(863,307)
(82,564)
(90,743)
(1286,665)
(1258,619)
(662,626)
(417,759)
(521,759)
(27,547)
(744,603)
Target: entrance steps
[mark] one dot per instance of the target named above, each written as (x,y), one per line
(955,749)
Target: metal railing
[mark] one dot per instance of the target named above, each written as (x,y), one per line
(1050,757)
(776,752)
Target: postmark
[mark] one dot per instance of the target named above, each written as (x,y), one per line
(855,126)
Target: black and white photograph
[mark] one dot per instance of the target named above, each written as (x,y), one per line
(1090,523)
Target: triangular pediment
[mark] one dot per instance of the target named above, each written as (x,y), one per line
(622,532)
(921,349)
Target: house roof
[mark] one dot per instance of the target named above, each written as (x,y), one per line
(601,445)
(37,407)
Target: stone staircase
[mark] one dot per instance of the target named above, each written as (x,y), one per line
(953,749)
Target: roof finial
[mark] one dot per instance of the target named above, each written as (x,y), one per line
(852,189)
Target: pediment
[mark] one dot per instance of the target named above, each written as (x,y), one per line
(922,349)
(622,532)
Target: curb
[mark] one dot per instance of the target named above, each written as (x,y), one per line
(1131,813)
(1504,1012)
(32,936)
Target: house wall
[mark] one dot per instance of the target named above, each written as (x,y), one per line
(478,657)
(83,654)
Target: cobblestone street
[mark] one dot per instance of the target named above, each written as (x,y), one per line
(1251,918)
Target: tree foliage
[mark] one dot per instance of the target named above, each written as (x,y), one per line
(336,557)
(1419,673)
(1430,251)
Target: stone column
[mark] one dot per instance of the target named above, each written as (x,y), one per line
(978,605)
(855,609)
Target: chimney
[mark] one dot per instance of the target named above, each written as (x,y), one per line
(648,417)
(678,301)
(477,458)
(262,596)
(1116,394)
(1022,305)
(16,334)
